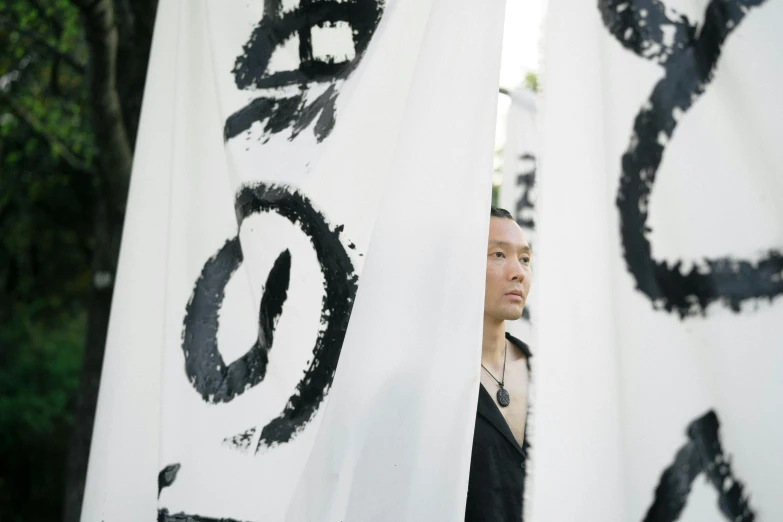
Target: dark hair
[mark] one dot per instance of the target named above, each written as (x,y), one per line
(500,213)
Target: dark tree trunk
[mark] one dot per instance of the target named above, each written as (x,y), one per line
(86,401)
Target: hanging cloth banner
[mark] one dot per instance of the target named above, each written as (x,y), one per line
(518,191)
(518,196)
(310,187)
(660,262)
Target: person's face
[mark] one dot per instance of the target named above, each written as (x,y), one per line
(508,270)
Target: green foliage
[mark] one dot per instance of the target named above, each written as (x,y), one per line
(45,221)
(497,175)
(56,199)
(47,199)
(36,382)
(47,193)
(495,195)
(38,376)
(531,82)
(43,77)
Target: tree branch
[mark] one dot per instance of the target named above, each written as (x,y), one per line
(71,158)
(56,25)
(115,154)
(40,42)
(125,20)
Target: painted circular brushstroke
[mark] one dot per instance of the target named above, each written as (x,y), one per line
(217,382)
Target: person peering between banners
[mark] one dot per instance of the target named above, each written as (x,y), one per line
(496,485)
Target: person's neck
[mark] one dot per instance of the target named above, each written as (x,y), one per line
(494,343)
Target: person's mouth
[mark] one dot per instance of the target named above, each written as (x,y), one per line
(516,295)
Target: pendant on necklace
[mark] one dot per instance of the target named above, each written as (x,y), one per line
(503,397)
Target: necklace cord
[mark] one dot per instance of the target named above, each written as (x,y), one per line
(500,383)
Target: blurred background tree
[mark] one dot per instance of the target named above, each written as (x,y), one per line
(71,80)
(530,82)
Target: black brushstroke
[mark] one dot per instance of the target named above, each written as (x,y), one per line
(284,113)
(204,365)
(525,208)
(340,284)
(275,28)
(241,441)
(689,64)
(324,108)
(260,109)
(167,476)
(701,454)
(638,26)
(164,516)
(674,487)
(203,362)
(275,294)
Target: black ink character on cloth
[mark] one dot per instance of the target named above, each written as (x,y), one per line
(689,57)
(297,112)
(526,204)
(702,453)
(206,370)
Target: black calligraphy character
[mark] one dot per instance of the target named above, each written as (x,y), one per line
(702,453)
(526,204)
(217,382)
(689,60)
(525,207)
(251,70)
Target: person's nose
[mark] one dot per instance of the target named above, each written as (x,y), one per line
(517,271)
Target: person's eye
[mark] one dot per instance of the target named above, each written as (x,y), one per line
(498,254)
(526,260)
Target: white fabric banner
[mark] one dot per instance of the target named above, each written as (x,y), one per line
(518,196)
(660,273)
(518,191)
(285,148)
